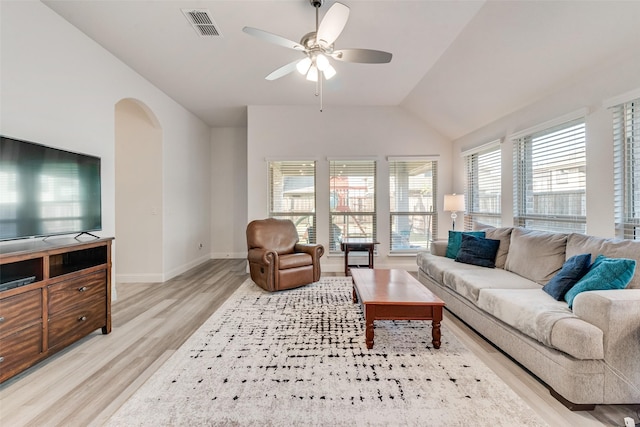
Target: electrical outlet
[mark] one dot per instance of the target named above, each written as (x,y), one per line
(628,422)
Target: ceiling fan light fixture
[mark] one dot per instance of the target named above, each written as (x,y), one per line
(322,62)
(312,75)
(329,72)
(303,65)
(318,45)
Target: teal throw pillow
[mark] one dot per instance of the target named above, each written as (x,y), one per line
(572,271)
(455,240)
(478,251)
(605,273)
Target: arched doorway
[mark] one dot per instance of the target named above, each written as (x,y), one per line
(138,193)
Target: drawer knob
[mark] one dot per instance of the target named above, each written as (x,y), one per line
(1,319)
(82,289)
(1,359)
(82,318)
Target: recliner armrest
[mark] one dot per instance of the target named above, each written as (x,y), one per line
(315,251)
(262,256)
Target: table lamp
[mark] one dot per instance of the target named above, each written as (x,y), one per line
(454,203)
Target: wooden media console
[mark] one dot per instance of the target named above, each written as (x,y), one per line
(52,293)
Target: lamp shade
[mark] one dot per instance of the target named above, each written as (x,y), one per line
(454,202)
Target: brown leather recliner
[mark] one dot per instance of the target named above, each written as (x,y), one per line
(276,260)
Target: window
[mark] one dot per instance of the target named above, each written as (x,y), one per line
(626,137)
(352,186)
(292,195)
(550,179)
(483,186)
(412,196)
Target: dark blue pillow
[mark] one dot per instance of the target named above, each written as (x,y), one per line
(572,271)
(604,274)
(455,240)
(478,251)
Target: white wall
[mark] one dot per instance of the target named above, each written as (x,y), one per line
(60,88)
(284,132)
(619,75)
(229,187)
(138,163)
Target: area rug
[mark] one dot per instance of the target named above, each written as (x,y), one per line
(299,357)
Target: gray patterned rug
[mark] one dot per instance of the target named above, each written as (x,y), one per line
(298,357)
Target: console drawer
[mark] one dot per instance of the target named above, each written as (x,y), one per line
(20,310)
(79,290)
(78,321)
(20,350)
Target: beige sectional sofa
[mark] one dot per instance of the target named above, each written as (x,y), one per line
(588,354)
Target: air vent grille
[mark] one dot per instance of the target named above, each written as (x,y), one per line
(201,21)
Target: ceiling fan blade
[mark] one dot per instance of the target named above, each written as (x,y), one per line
(273,38)
(333,23)
(283,71)
(364,56)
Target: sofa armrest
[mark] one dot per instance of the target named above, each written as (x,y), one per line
(617,314)
(439,247)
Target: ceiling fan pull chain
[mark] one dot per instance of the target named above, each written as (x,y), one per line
(320,78)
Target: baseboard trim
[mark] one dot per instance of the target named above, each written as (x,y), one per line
(139,278)
(228,255)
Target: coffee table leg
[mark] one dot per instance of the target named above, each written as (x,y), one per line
(435,327)
(355,294)
(368,318)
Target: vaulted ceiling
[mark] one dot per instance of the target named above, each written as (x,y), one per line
(457,65)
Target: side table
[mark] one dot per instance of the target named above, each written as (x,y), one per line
(357,244)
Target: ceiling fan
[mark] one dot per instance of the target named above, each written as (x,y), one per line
(318,46)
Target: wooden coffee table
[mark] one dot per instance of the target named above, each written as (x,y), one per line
(395,295)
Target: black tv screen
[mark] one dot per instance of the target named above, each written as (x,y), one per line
(45,191)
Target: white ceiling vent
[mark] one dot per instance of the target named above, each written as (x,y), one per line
(201,21)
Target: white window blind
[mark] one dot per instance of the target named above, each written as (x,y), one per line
(292,195)
(483,187)
(412,195)
(626,138)
(550,179)
(352,186)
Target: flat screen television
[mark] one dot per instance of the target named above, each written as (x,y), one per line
(45,191)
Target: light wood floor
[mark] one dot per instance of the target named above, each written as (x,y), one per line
(86,383)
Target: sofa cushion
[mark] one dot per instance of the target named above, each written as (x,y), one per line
(613,248)
(572,271)
(536,255)
(605,273)
(478,251)
(434,266)
(455,240)
(468,280)
(504,235)
(536,314)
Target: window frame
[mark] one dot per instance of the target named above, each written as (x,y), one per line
(430,216)
(474,160)
(343,197)
(306,233)
(525,197)
(626,140)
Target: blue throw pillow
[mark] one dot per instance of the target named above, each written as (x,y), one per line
(605,273)
(572,271)
(455,240)
(478,251)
